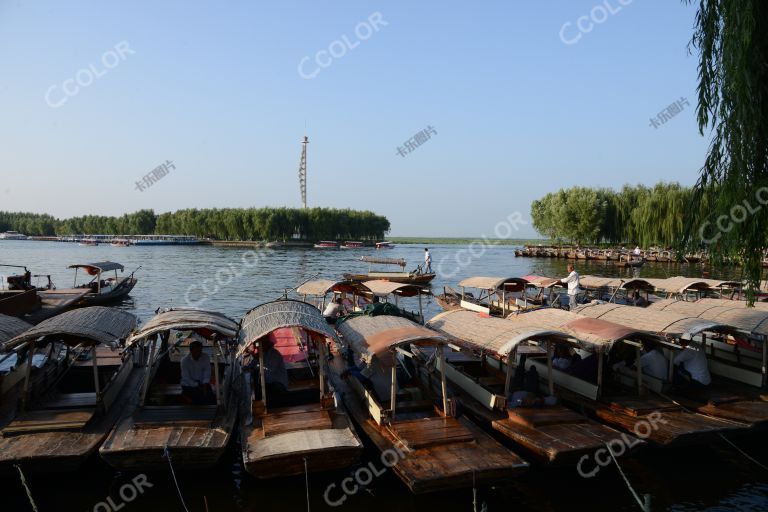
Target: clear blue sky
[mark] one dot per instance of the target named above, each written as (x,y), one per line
(215,87)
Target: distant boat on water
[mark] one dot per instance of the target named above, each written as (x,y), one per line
(12,235)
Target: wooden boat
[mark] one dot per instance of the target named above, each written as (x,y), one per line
(618,290)
(33,303)
(305,427)
(618,397)
(326,244)
(630,261)
(160,417)
(721,399)
(120,242)
(88,242)
(352,245)
(431,450)
(482,376)
(108,289)
(417,276)
(497,296)
(385,245)
(388,292)
(63,423)
(11,371)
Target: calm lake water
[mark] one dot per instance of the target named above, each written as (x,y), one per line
(232,280)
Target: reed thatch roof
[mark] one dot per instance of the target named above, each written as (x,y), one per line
(610,283)
(188,319)
(598,334)
(320,287)
(744,319)
(10,327)
(375,336)
(95,324)
(679,284)
(383,288)
(762,306)
(481,332)
(267,317)
(493,283)
(659,322)
(542,281)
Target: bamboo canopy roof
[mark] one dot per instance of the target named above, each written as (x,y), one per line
(321,287)
(264,319)
(494,283)
(382,288)
(479,332)
(598,334)
(383,261)
(596,282)
(679,284)
(542,281)
(760,306)
(375,336)
(659,322)
(201,321)
(10,327)
(715,283)
(745,319)
(96,324)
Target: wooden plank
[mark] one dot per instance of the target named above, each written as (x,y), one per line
(274,424)
(71,401)
(636,406)
(533,417)
(436,430)
(45,420)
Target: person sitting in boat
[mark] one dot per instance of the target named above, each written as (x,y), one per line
(653,362)
(196,376)
(275,372)
(562,358)
(691,368)
(333,310)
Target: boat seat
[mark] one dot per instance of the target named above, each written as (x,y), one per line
(533,417)
(414,405)
(431,431)
(638,406)
(71,401)
(175,415)
(49,421)
(292,419)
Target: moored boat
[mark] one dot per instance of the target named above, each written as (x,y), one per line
(416,276)
(292,420)
(162,419)
(431,449)
(102,289)
(385,245)
(63,423)
(352,245)
(489,368)
(326,244)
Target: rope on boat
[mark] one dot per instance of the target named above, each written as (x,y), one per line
(745,454)
(474,493)
(645,505)
(26,487)
(167,455)
(306,480)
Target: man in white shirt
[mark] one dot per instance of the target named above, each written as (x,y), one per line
(691,368)
(636,252)
(427,261)
(573,286)
(333,310)
(653,362)
(196,375)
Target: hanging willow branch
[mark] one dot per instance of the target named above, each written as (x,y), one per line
(731,37)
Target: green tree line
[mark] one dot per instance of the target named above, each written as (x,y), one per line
(635,214)
(217,223)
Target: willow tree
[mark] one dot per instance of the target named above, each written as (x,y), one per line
(731,37)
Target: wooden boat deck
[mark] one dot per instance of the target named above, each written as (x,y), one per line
(277,444)
(430,431)
(730,406)
(435,467)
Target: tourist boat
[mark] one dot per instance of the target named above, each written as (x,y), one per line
(304,428)
(12,235)
(417,276)
(721,399)
(626,260)
(430,449)
(320,292)
(389,292)
(33,303)
(619,290)
(107,289)
(161,421)
(275,244)
(11,372)
(120,242)
(88,242)
(352,245)
(481,373)
(325,244)
(66,419)
(497,296)
(385,245)
(617,396)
